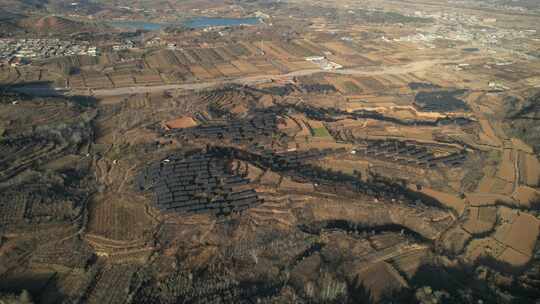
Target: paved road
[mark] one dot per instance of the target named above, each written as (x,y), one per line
(251,80)
(365,71)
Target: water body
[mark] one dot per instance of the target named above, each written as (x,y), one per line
(202,22)
(195,23)
(138,25)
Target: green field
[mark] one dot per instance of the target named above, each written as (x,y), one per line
(321,132)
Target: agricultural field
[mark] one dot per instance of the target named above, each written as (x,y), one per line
(118,218)
(345,152)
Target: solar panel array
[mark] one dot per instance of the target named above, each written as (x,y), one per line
(197,184)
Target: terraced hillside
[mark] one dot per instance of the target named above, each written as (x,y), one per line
(334,152)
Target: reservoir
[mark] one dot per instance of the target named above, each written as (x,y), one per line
(195,23)
(137,25)
(202,22)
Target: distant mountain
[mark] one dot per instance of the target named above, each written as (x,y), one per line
(9,29)
(84,7)
(21,6)
(54,24)
(8,22)
(529,4)
(6,15)
(28,7)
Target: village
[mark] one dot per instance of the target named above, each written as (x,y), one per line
(17,52)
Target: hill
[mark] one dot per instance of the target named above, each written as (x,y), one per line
(23,5)
(8,29)
(54,24)
(522,119)
(8,23)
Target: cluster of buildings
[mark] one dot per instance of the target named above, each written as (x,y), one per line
(467,28)
(324,63)
(482,36)
(23,51)
(493,4)
(124,45)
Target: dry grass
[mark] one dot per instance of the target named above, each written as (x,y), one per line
(529,169)
(480,220)
(506,169)
(520,231)
(200,72)
(118,218)
(449,200)
(525,196)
